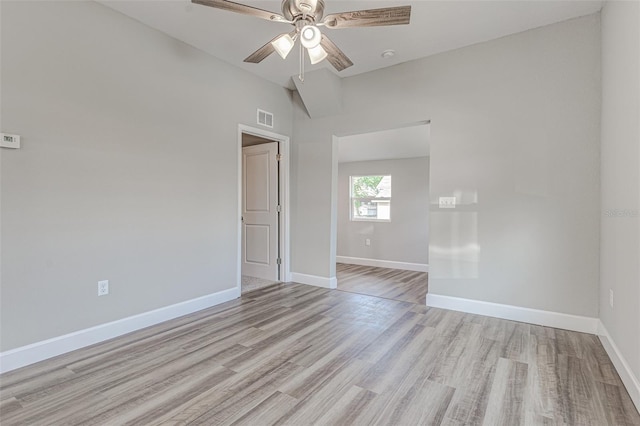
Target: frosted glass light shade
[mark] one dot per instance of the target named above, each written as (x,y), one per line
(317,54)
(283,45)
(310,36)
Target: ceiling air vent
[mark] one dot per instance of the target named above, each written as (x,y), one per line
(265,118)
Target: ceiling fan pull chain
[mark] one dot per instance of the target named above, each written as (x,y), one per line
(301,73)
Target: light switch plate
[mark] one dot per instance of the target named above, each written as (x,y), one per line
(9,141)
(447,202)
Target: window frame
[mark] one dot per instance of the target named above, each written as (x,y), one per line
(352,218)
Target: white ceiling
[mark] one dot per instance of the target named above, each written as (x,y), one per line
(404,142)
(436,26)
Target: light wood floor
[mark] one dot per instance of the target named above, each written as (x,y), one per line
(297,355)
(408,286)
(249,283)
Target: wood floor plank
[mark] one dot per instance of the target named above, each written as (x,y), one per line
(618,406)
(347,409)
(389,338)
(397,284)
(297,355)
(542,400)
(460,352)
(401,358)
(337,336)
(471,399)
(422,403)
(506,398)
(415,399)
(275,343)
(313,405)
(578,394)
(313,377)
(9,406)
(236,397)
(268,411)
(155,398)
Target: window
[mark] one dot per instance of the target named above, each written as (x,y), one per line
(370,198)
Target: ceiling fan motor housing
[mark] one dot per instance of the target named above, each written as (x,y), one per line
(296,9)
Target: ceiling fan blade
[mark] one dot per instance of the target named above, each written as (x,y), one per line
(266,50)
(335,56)
(241,8)
(369,18)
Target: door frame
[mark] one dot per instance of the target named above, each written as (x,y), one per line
(284,224)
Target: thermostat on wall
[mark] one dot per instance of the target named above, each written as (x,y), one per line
(9,141)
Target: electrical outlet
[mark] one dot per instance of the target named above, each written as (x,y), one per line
(367,242)
(103,288)
(611,298)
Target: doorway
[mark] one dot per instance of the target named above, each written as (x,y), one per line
(382,226)
(263,255)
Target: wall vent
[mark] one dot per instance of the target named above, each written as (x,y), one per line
(265,118)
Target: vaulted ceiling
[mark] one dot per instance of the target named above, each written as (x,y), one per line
(436,26)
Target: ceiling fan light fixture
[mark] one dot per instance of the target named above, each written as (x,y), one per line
(310,36)
(283,45)
(317,54)
(306,16)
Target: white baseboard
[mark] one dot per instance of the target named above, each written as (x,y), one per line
(314,280)
(39,351)
(515,313)
(419,267)
(631,382)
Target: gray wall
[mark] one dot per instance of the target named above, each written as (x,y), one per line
(127,172)
(620,168)
(406,237)
(515,133)
(129,139)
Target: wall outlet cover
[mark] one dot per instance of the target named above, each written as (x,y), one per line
(103,287)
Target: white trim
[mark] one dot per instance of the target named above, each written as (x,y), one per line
(419,267)
(39,351)
(314,280)
(285,151)
(515,313)
(631,382)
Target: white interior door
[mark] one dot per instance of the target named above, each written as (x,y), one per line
(260,211)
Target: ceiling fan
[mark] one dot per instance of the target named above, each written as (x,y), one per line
(306,16)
